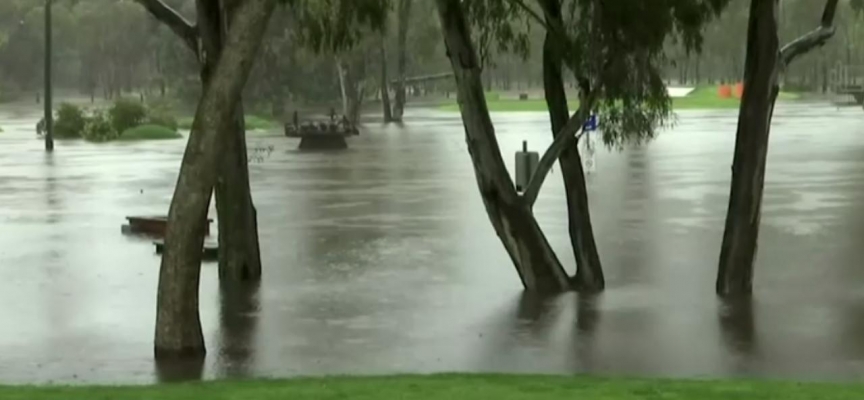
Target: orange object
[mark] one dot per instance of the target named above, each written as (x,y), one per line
(724,91)
(739,90)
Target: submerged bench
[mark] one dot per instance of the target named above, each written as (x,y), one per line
(153,225)
(210,252)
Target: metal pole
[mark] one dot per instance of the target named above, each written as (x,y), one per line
(49,123)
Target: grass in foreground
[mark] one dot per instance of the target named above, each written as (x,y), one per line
(451,387)
(253,123)
(149,132)
(703,98)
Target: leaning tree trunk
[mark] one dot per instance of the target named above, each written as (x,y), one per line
(239,250)
(385,90)
(404,14)
(589,272)
(764,63)
(178,325)
(510,214)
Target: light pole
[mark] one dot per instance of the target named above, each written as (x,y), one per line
(49,123)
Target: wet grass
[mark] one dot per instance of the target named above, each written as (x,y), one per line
(149,132)
(451,387)
(253,123)
(703,98)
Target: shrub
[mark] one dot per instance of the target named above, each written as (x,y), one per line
(162,119)
(127,114)
(150,132)
(70,121)
(99,128)
(161,112)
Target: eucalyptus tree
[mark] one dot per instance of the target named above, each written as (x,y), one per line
(765,64)
(614,49)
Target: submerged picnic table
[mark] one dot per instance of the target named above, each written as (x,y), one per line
(322,135)
(154,225)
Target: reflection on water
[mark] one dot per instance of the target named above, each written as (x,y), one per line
(380,259)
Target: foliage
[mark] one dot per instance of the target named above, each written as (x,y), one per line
(451,386)
(162,113)
(70,121)
(335,25)
(150,132)
(162,119)
(99,128)
(499,26)
(127,113)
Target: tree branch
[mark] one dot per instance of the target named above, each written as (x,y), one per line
(814,38)
(168,16)
(566,137)
(536,17)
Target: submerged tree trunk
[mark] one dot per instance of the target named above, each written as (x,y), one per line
(178,325)
(589,272)
(511,216)
(764,63)
(404,14)
(340,70)
(239,251)
(385,90)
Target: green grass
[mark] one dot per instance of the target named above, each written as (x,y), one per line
(253,123)
(450,387)
(149,132)
(702,98)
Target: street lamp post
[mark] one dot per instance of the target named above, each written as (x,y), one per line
(49,123)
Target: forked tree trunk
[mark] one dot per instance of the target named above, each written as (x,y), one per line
(178,325)
(385,90)
(511,216)
(239,250)
(764,63)
(589,272)
(404,15)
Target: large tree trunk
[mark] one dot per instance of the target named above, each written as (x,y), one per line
(589,272)
(385,90)
(764,63)
(178,325)
(353,92)
(404,15)
(343,86)
(751,148)
(239,251)
(511,216)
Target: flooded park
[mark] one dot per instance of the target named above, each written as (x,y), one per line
(380,259)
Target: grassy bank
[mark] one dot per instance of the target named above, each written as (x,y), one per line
(451,387)
(703,98)
(253,123)
(149,132)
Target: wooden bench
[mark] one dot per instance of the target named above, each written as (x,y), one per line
(210,252)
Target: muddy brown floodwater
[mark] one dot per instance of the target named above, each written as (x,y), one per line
(380,259)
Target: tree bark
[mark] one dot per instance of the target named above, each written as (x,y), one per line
(511,217)
(404,14)
(589,271)
(385,90)
(340,69)
(239,250)
(178,325)
(764,63)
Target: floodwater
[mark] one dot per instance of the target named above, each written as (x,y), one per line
(380,259)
